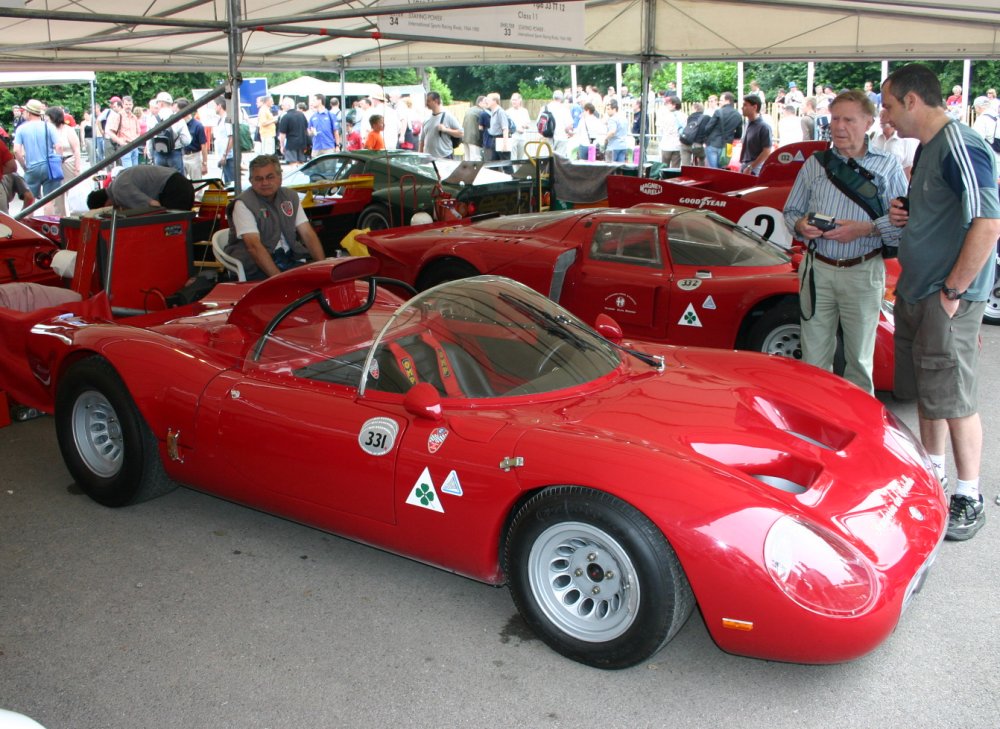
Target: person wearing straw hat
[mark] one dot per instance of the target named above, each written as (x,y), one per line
(34,141)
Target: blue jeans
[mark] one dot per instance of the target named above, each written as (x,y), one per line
(712,156)
(618,155)
(131,159)
(175,159)
(37,179)
(227,170)
(99,149)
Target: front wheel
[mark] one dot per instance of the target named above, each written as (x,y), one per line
(376,217)
(778,331)
(107,446)
(595,578)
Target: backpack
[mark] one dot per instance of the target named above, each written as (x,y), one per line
(547,124)
(163,143)
(689,134)
(246,140)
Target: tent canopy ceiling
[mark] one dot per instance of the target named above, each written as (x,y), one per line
(310,35)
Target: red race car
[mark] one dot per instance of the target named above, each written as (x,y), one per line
(481,428)
(665,273)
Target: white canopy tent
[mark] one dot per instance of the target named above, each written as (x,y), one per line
(261,35)
(306,85)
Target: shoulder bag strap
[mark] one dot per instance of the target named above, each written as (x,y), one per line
(834,168)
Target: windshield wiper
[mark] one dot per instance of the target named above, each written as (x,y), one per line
(653,360)
(552,324)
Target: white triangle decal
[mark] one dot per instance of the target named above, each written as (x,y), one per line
(423,493)
(709,303)
(452,485)
(690,317)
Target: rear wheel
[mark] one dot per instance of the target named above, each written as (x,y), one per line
(447,270)
(595,578)
(107,446)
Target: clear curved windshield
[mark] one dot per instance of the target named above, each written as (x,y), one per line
(705,239)
(485,337)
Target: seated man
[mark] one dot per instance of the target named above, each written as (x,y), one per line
(269,231)
(145,186)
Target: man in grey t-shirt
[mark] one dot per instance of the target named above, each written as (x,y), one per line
(946,254)
(145,186)
(439,130)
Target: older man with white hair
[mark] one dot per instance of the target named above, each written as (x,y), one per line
(168,145)
(986,123)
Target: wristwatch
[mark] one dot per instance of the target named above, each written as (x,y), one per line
(952,294)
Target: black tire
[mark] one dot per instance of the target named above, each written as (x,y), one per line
(992,313)
(778,331)
(438,272)
(107,446)
(376,217)
(595,578)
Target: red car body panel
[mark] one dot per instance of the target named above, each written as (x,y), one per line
(648,302)
(691,445)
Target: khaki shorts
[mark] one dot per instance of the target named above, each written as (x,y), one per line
(937,358)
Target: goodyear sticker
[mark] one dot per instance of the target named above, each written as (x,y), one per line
(423,493)
(378,436)
(452,485)
(688,284)
(690,317)
(436,439)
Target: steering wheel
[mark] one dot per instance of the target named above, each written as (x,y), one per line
(546,361)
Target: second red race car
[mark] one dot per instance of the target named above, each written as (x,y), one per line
(665,273)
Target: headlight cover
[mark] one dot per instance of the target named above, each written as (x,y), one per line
(904,438)
(817,569)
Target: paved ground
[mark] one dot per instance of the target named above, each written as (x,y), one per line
(192,612)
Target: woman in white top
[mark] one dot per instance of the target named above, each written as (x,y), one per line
(672,121)
(67,144)
(589,131)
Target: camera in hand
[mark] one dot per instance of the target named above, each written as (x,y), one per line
(823,222)
(904,202)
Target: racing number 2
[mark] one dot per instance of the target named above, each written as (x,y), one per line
(768,222)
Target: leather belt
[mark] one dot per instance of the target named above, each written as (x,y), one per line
(848,262)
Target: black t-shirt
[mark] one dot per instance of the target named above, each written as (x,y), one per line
(294,125)
(755,140)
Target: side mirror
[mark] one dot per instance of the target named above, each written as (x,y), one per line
(608,328)
(423,401)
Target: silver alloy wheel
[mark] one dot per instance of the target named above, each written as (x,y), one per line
(584,582)
(784,340)
(97,434)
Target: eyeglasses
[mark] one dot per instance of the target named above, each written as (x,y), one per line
(269,178)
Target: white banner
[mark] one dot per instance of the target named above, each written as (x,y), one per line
(557,25)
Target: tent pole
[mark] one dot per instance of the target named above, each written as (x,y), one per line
(343,106)
(234,82)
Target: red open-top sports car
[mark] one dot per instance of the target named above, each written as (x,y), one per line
(481,428)
(665,273)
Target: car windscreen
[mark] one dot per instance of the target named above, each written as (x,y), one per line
(485,337)
(698,238)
